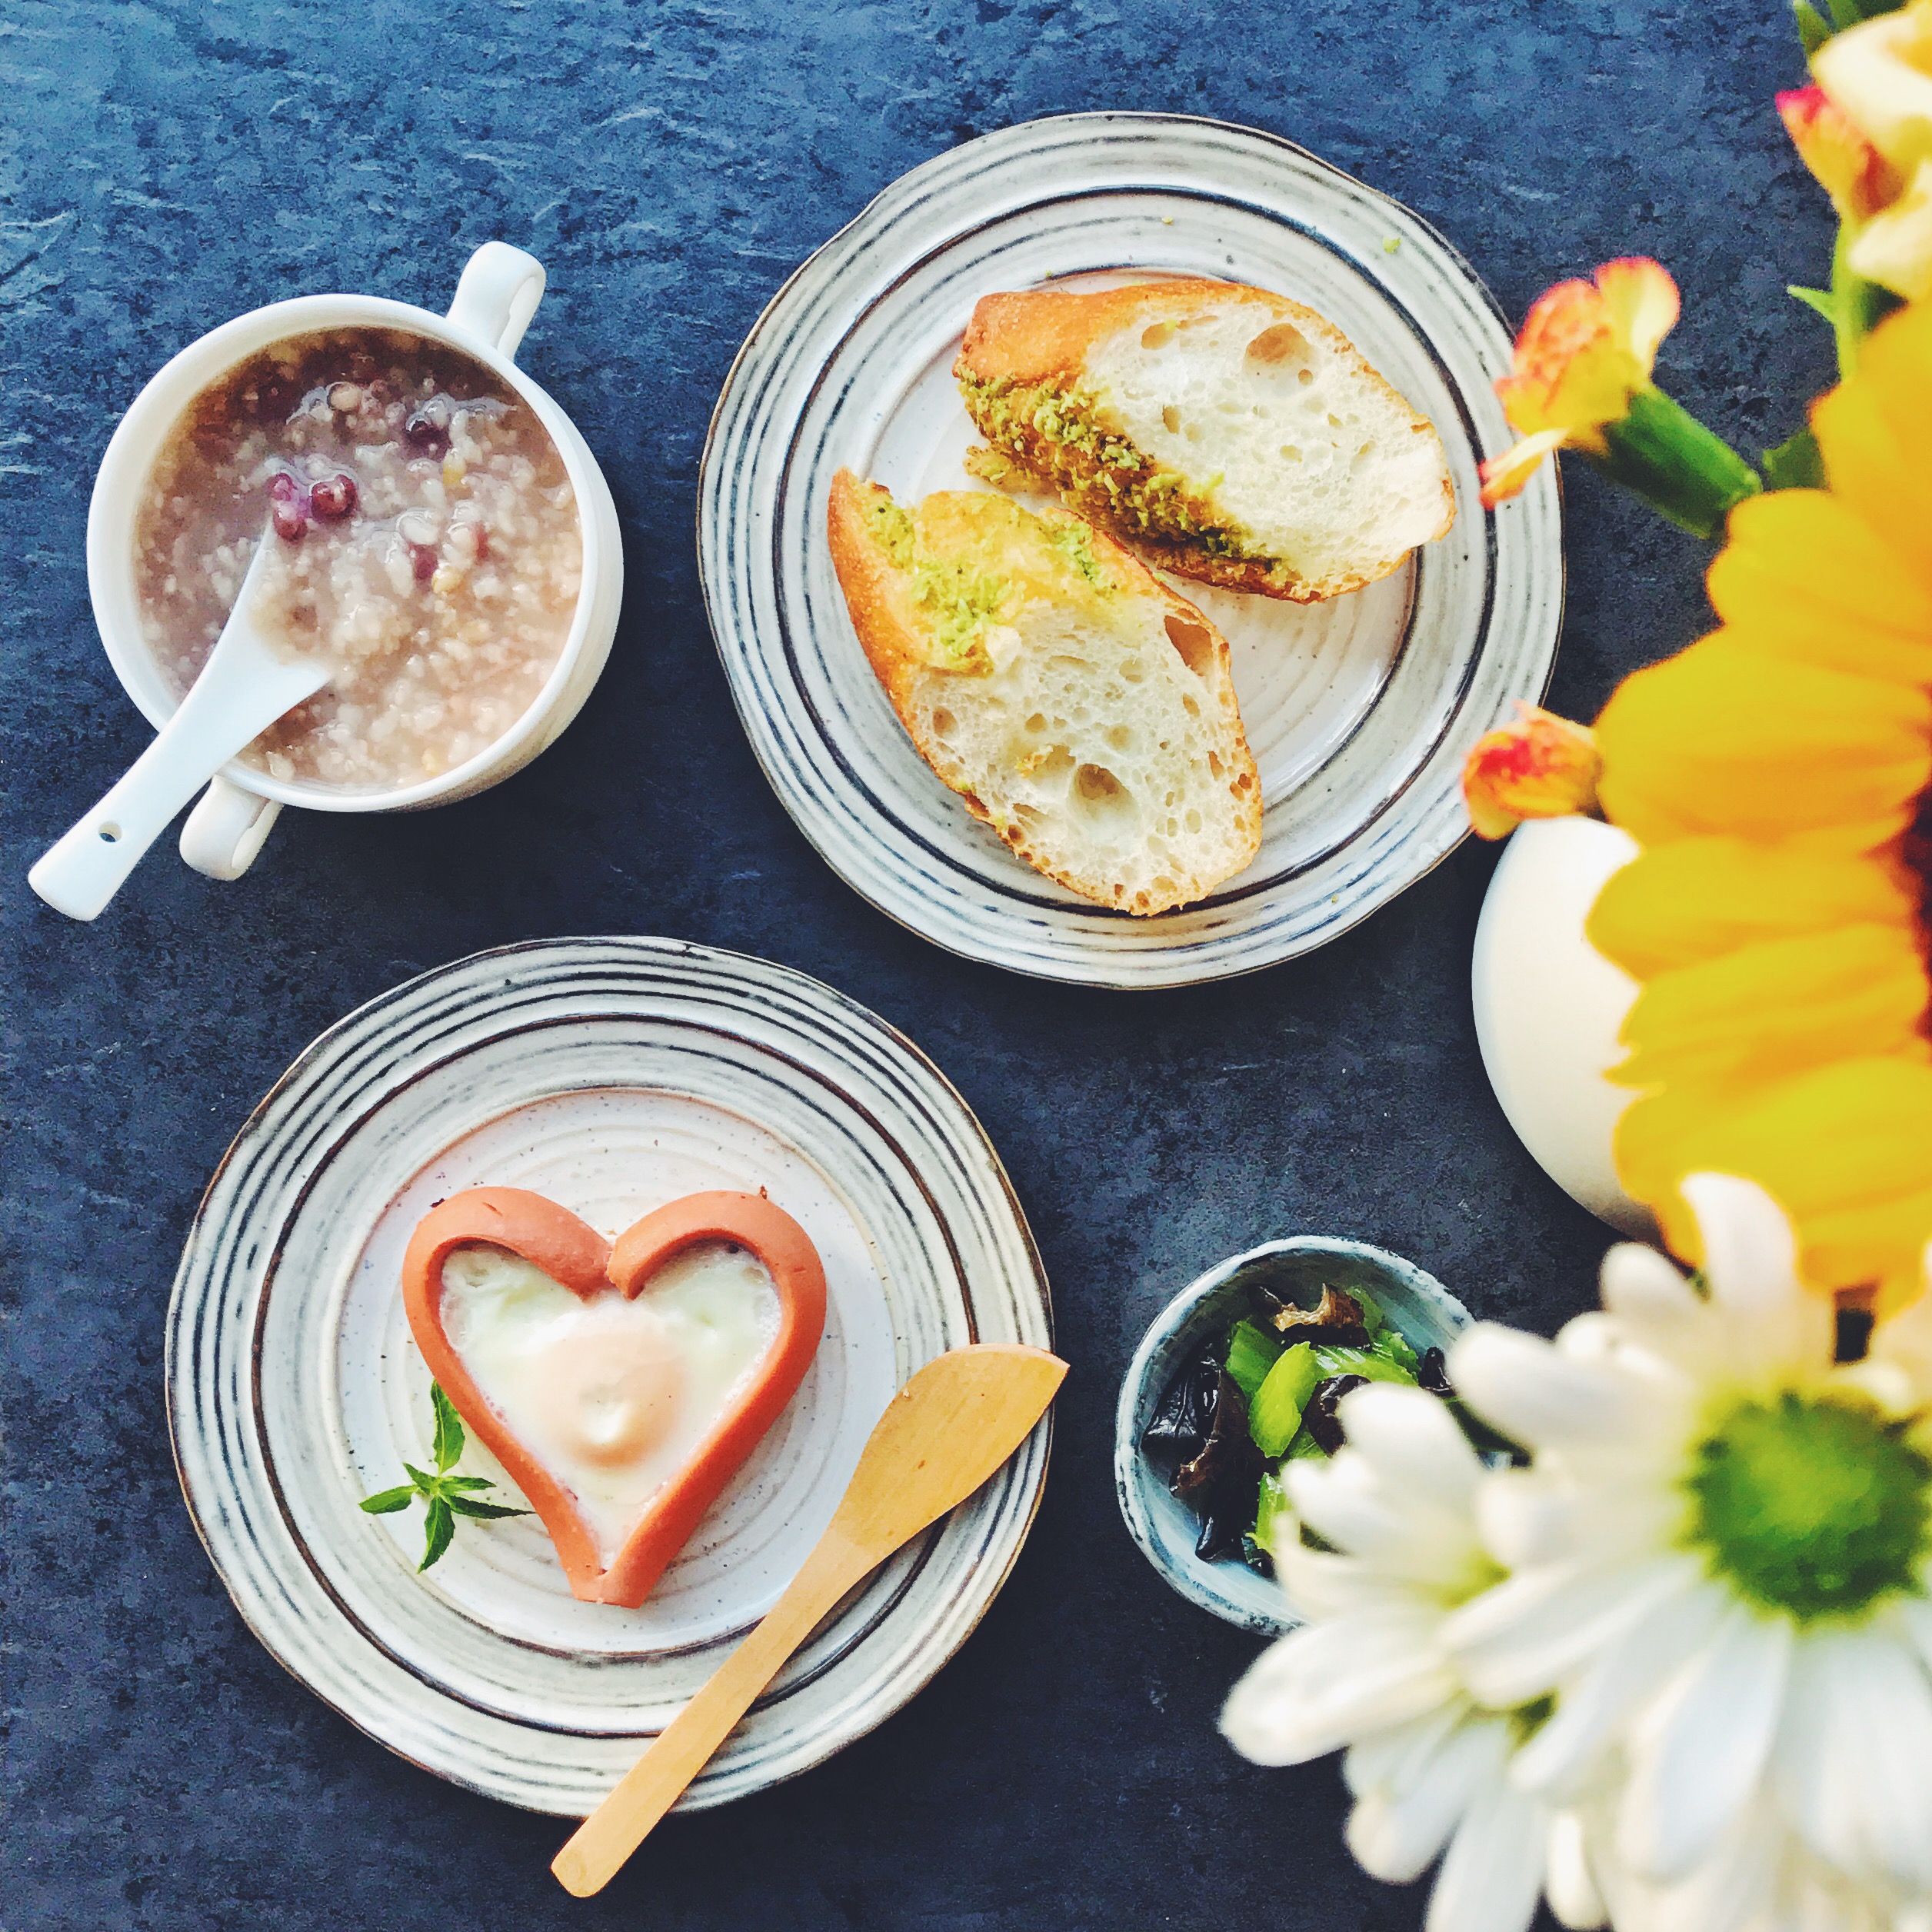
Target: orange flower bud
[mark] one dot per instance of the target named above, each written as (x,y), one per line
(1586,348)
(1859,179)
(1540,767)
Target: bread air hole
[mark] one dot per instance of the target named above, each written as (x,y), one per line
(1170,420)
(1102,801)
(1037,722)
(1281,346)
(1120,737)
(943,723)
(1193,641)
(1157,335)
(1132,670)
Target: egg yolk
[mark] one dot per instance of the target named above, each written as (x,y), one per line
(613,1404)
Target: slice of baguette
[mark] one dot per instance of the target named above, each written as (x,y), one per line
(1225,433)
(1076,704)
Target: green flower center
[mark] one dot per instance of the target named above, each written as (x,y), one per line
(1815,1508)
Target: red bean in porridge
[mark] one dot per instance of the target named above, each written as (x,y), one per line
(426,548)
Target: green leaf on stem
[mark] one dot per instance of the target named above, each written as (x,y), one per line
(484,1512)
(449,1429)
(437,1529)
(387,1502)
(1812,29)
(1821,301)
(1797,464)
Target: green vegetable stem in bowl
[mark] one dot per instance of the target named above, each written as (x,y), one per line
(1265,1393)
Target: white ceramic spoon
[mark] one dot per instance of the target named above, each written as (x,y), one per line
(244,687)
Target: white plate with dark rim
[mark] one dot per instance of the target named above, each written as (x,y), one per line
(614,1075)
(1360,712)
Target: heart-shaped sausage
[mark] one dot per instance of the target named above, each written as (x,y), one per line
(576,1258)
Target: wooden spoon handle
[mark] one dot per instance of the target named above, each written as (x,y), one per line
(653,1785)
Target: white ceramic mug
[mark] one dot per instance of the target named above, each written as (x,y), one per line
(1549,1008)
(497,294)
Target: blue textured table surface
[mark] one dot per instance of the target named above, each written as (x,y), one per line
(169,164)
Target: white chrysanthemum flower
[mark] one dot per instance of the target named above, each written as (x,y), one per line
(1759,1878)
(1721,1572)
(1428,1766)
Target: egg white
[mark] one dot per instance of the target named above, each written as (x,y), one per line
(712,1309)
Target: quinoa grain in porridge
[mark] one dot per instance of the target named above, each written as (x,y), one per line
(426,548)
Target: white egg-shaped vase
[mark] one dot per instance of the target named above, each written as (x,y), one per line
(1549,1007)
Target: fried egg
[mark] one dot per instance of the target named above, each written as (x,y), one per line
(613,1397)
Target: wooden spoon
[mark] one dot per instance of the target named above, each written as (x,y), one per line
(941,1436)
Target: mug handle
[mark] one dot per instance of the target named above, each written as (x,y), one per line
(497,294)
(225,831)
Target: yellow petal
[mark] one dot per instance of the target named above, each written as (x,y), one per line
(1859,179)
(1697,898)
(1540,767)
(1872,429)
(1894,248)
(1723,739)
(1504,477)
(1585,347)
(1839,1147)
(1880,1241)
(1777,1007)
(1802,575)
(1879,74)
(1643,303)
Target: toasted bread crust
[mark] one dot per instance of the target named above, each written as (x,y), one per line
(867,577)
(1044,335)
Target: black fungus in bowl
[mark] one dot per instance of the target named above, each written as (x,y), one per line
(1202,1425)
(1320,1417)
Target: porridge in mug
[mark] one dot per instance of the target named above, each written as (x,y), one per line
(426,548)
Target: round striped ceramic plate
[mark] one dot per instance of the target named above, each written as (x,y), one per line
(1360,712)
(614,1075)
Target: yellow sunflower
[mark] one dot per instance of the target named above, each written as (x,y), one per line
(1777,776)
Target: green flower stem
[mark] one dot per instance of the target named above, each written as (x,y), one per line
(1857,305)
(1852,305)
(1661,452)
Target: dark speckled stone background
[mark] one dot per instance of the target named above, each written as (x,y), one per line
(164,165)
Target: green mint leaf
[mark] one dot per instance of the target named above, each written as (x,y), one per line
(449,1429)
(1845,13)
(387,1501)
(448,1482)
(469,1506)
(426,1483)
(437,1532)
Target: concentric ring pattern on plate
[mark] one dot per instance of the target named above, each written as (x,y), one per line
(613,1074)
(1360,712)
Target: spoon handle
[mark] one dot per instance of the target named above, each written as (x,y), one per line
(654,1783)
(84,868)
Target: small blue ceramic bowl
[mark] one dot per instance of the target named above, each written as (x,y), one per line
(1295,1269)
